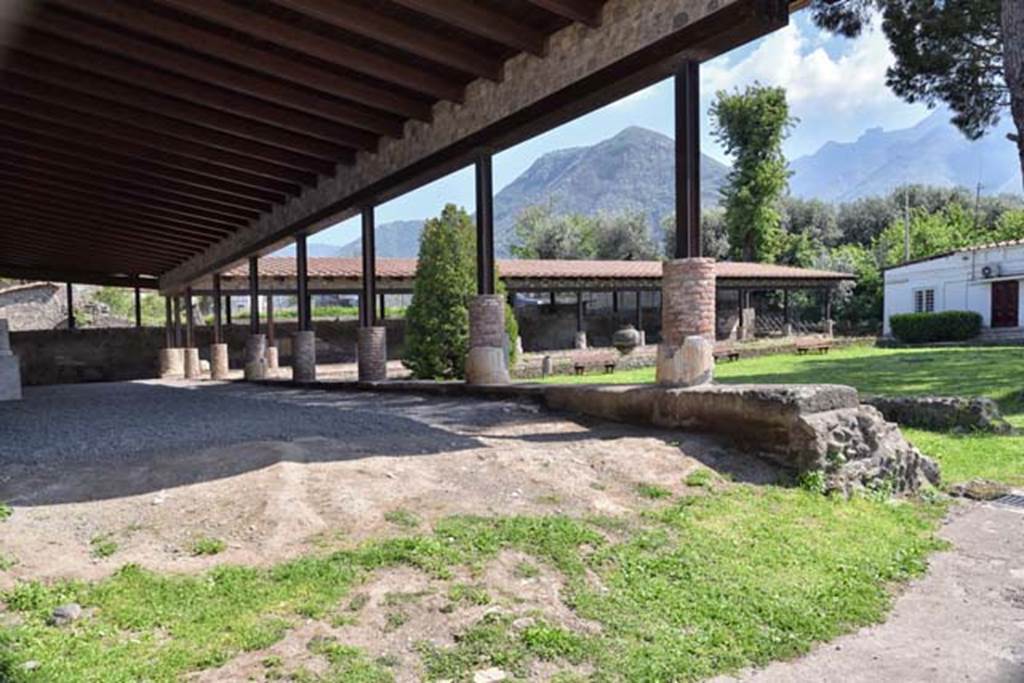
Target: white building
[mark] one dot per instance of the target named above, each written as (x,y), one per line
(985,279)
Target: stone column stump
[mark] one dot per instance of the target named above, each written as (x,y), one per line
(256,357)
(193,368)
(219,361)
(172,363)
(686,352)
(10,369)
(372,354)
(304,357)
(579,340)
(272,358)
(487,362)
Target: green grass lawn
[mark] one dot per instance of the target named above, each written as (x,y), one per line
(995,372)
(685,588)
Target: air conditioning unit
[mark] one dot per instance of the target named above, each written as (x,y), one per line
(991,271)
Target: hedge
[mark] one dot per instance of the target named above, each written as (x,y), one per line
(918,328)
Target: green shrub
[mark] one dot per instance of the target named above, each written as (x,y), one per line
(919,328)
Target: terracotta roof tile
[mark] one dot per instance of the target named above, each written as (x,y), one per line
(405,268)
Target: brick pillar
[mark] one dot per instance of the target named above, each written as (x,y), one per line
(256,357)
(487,362)
(10,369)
(304,357)
(686,354)
(219,361)
(373,353)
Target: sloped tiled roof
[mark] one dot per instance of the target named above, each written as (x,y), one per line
(405,268)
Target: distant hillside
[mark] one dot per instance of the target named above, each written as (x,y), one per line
(933,152)
(634,170)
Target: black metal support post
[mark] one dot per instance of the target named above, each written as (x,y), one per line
(368,300)
(639,311)
(227,310)
(168,322)
(71,307)
(383,308)
(302,283)
(554,299)
(218,333)
(615,302)
(785,305)
(687,106)
(827,303)
(254,295)
(484,224)
(138,307)
(177,322)
(190,331)
(579,311)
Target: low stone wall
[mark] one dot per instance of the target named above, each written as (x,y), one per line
(942,412)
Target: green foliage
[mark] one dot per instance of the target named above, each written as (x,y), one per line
(437,321)
(751,126)
(121,301)
(5,511)
(465,593)
(714,238)
(103,546)
(541,233)
(652,491)
(702,477)
(921,328)
(624,236)
(208,546)
(403,518)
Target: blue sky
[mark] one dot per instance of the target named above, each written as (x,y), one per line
(835,86)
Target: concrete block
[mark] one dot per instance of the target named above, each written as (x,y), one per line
(193,369)
(172,363)
(272,358)
(219,366)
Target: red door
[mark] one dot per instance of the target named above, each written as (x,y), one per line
(1005,303)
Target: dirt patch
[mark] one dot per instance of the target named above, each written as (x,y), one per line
(271,500)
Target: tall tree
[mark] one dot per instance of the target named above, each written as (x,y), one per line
(540,233)
(624,236)
(751,126)
(966,53)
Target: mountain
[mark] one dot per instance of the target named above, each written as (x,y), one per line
(313,249)
(633,170)
(933,152)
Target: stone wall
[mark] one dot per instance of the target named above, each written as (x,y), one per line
(34,306)
(545,329)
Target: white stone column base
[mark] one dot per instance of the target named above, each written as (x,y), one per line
(172,363)
(579,341)
(219,365)
(487,365)
(256,357)
(689,365)
(193,369)
(830,328)
(272,358)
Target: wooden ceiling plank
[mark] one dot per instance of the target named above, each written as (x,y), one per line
(180,194)
(39,199)
(81,276)
(88,219)
(228,78)
(182,129)
(96,185)
(91,125)
(73,78)
(181,191)
(52,137)
(398,34)
(35,180)
(94,61)
(482,21)
(214,45)
(305,42)
(34,233)
(586,12)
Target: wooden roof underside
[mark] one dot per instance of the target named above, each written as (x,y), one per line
(134,135)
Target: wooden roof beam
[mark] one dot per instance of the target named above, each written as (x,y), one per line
(586,12)
(228,78)
(84,277)
(214,45)
(54,136)
(482,21)
(33,238)
(331,51)
(398,34)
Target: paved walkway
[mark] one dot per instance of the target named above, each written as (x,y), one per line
(963,621)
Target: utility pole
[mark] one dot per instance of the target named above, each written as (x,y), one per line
(906,224)
(977,205)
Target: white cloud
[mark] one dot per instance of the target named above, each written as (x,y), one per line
(637,97)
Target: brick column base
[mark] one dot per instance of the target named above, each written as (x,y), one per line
(256,357)
(304,357)
(172,363)
(193,369)
(373,354)
(219,361)
(487,361)
(686,354)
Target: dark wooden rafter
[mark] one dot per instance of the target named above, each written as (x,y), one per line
(477,18)
(78,275)
(286,35)
(398,34)
(586,12)
(24,235)
(215,45)
(228,79)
